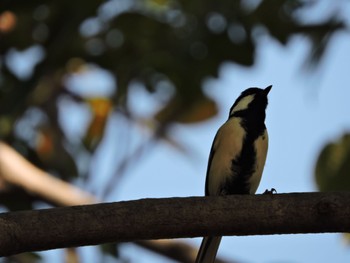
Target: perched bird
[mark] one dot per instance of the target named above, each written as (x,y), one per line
(237,156)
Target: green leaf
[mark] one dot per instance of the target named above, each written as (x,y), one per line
(332,172)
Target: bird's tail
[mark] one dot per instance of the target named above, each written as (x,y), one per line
(207,251)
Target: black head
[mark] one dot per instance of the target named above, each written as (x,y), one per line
(251,102)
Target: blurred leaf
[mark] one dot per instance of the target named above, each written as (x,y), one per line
(45,145)
(24,258)
(51,151)
(110,249)
(346,237)
(7,21)
(319,34)
(71,255)
(320,37)
(268,12)
(187,113)
(100,108)
(332,171)
(5,126)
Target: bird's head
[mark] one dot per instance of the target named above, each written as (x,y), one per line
(251,101)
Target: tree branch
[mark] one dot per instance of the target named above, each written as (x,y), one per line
(16,170)
(174,218)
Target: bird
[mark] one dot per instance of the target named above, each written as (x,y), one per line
(237,156)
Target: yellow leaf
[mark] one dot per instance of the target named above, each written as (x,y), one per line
(100,108)
(187,113)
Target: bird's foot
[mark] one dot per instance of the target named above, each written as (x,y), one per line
(270,192)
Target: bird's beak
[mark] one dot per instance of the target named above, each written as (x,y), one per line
(267,90)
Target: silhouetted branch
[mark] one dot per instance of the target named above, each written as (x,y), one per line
(174,218)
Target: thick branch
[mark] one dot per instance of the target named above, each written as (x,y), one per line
(174,218)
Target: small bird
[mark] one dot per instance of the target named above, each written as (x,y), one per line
(237,156)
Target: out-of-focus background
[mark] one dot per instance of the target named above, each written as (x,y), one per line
(122,99)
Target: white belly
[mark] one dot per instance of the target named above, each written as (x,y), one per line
(228,144)
(261,145)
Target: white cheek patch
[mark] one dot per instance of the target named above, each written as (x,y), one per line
(243,104)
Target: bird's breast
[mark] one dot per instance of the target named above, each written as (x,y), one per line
(237,164)
(227,145)
(260,146)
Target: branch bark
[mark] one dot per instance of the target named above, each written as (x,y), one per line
(174,218)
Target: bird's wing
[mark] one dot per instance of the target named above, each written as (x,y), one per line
(227,145)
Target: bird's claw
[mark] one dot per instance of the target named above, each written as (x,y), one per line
(270,192)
